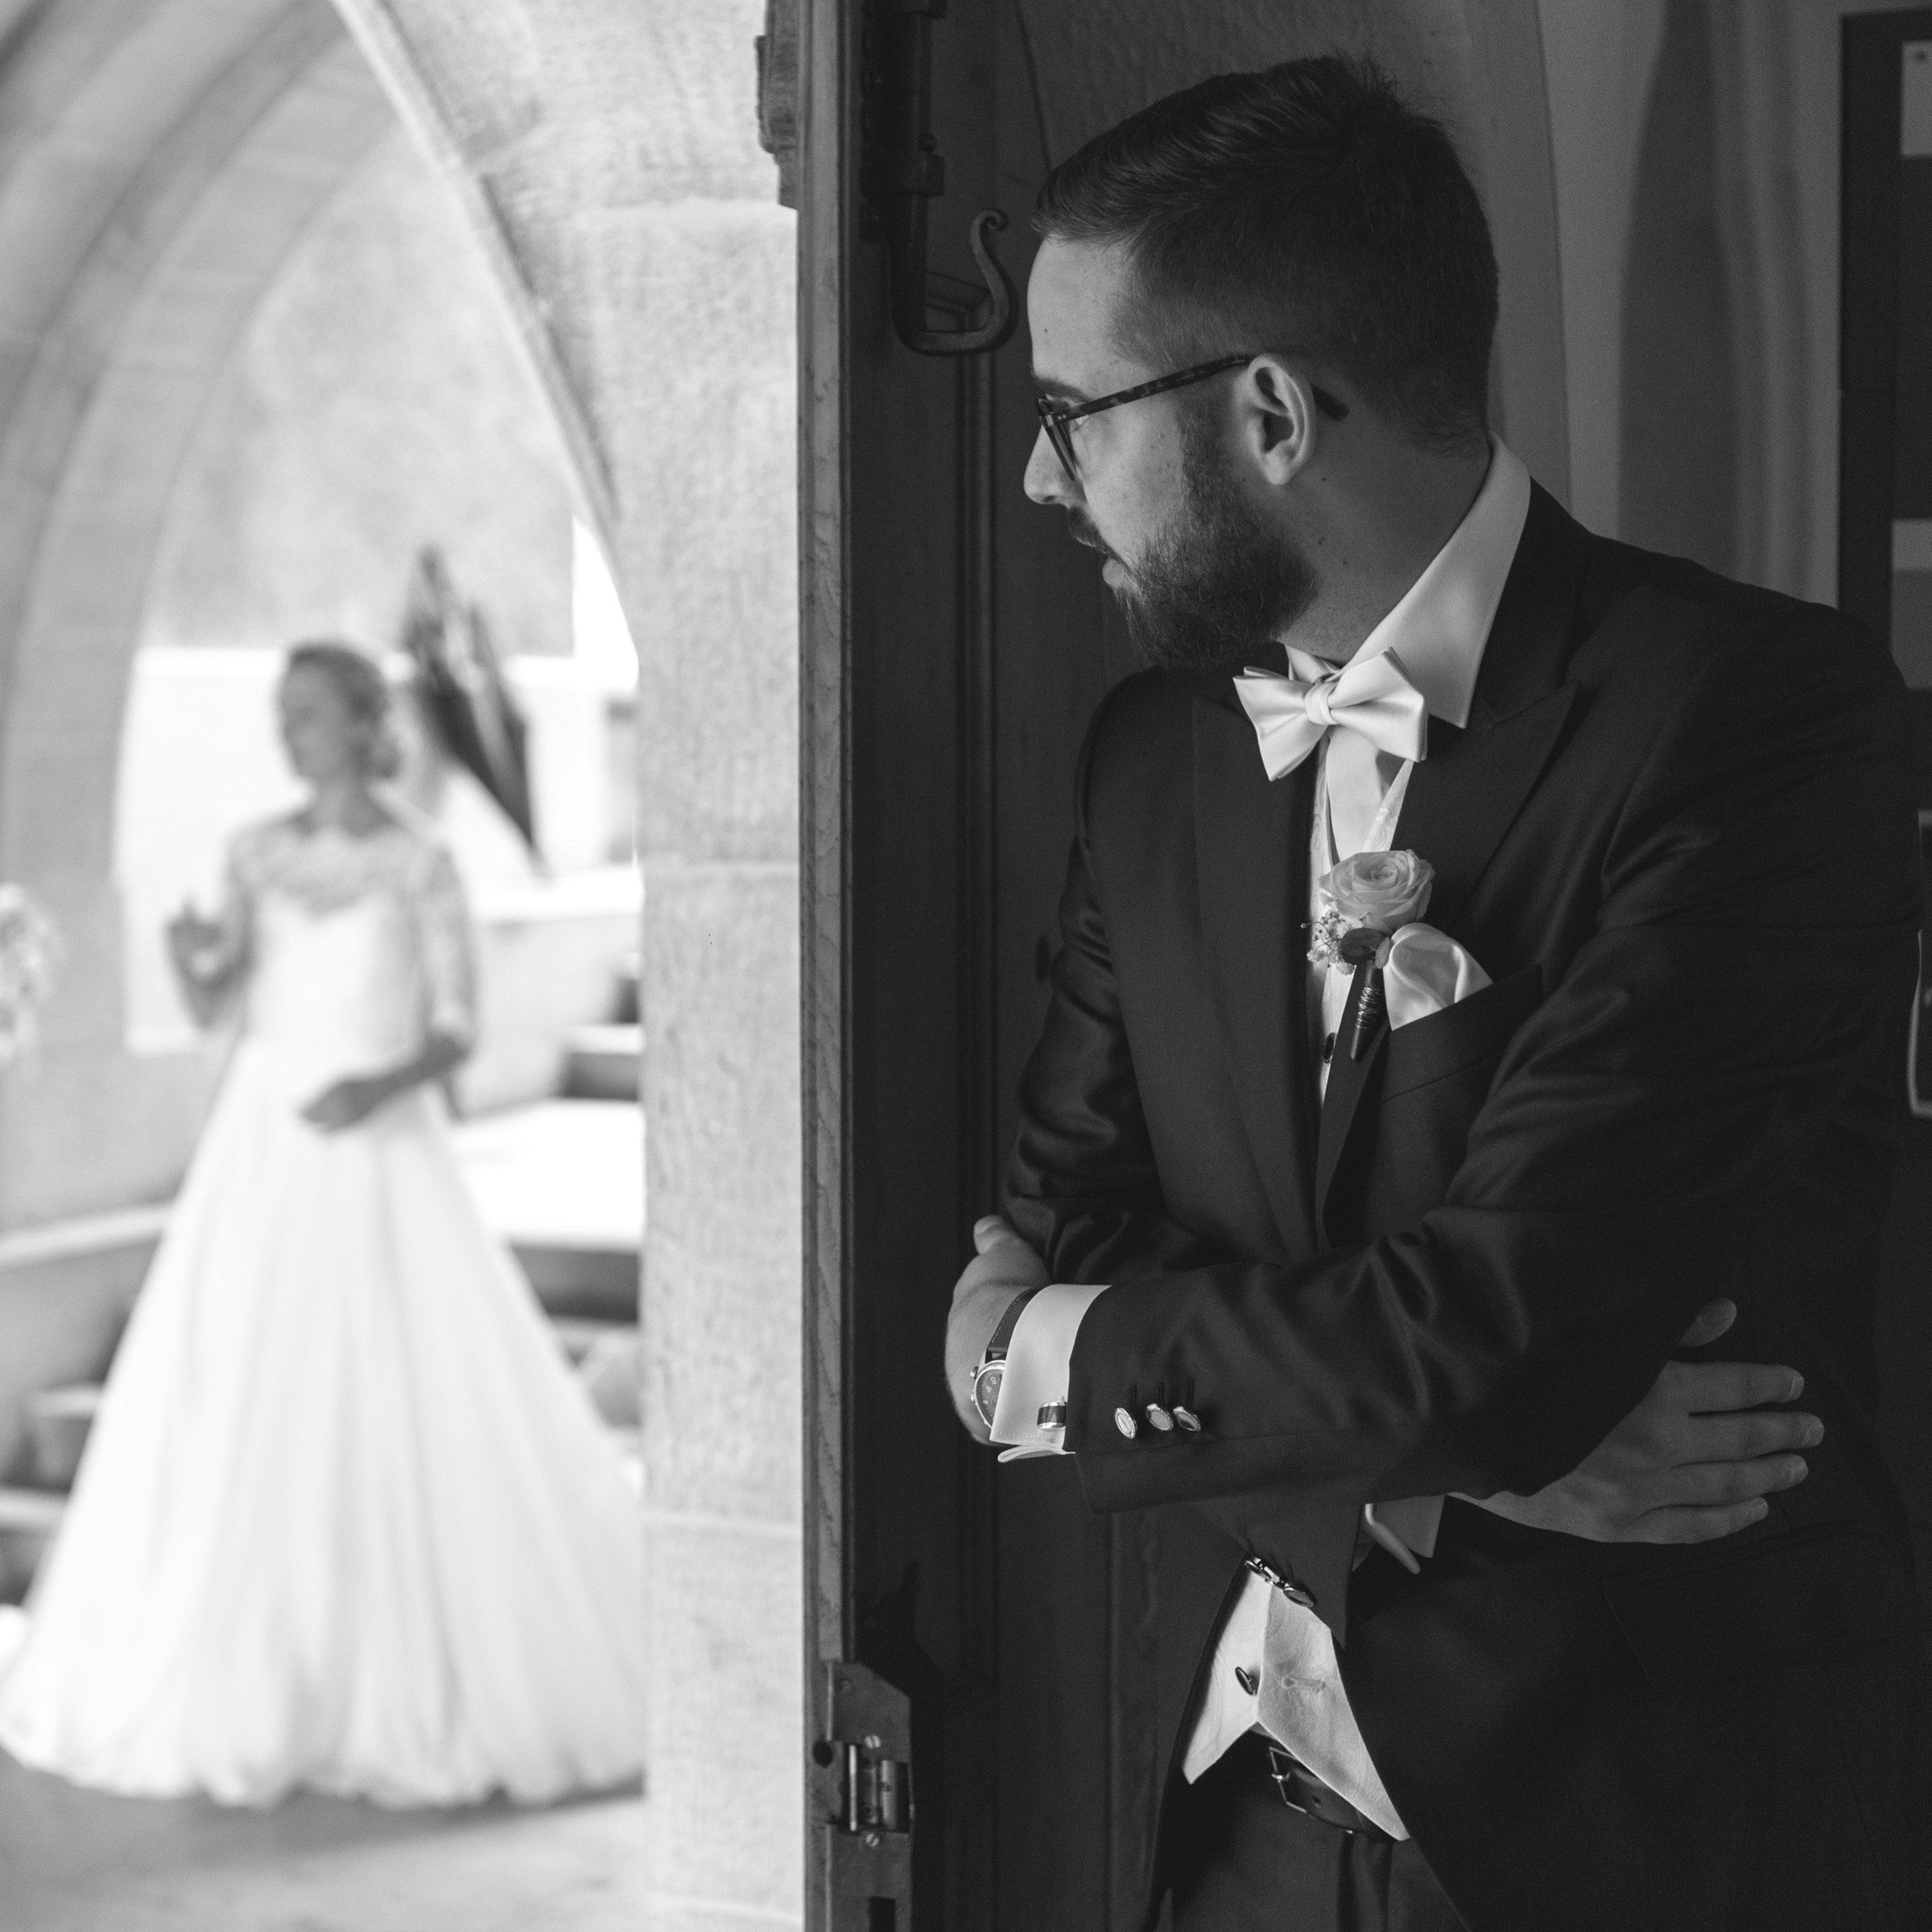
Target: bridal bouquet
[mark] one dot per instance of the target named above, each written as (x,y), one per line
(29,949)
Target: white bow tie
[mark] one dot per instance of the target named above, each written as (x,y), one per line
(1372,697)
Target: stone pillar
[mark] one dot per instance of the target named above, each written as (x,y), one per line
(608,152)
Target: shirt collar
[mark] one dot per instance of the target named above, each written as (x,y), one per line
(1440,628)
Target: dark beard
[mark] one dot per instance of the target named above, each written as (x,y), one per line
(1214,591)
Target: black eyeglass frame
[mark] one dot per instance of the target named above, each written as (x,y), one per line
(1056,419)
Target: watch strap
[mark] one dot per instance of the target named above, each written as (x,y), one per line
(1002,1336)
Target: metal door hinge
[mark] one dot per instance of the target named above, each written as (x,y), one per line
(864,1754)
(901,170)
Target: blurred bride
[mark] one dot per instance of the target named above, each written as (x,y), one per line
(346,1520)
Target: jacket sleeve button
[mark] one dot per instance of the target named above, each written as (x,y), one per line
(1159,1416)
(1188,1419)
(1125,1423)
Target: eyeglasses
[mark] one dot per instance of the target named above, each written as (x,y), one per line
(1058,418)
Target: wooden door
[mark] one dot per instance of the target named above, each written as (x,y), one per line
(955,645)
(1885,580)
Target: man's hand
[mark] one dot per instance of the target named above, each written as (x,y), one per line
(1004,1266)
(1689,1464)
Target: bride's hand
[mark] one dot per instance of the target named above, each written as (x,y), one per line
(346,1103)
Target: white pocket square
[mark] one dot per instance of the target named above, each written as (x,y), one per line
(1426,971)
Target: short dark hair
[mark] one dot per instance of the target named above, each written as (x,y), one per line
(1307,207)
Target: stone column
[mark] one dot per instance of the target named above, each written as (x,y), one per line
(608,152)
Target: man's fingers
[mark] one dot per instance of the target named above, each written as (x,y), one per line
(1735,1435)
(1704,1387)
(989,1230)
(1712,1320)
(1707,1485)
(1693,1525)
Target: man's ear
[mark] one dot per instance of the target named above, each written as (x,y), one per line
(1277,422)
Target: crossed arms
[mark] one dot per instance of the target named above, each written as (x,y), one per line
(1697,1105)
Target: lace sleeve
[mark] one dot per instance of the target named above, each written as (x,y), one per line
(447,945)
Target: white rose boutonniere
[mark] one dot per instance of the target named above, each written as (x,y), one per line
(1367,899)
(1384,889)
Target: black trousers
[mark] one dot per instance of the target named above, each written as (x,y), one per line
(1245,1863)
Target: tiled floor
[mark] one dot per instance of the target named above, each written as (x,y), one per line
(80,1861)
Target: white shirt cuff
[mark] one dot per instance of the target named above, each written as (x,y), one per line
(1039,1366)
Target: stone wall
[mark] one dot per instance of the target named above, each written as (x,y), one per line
(376,404)
(608,152)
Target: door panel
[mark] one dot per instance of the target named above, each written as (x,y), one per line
(1885,580)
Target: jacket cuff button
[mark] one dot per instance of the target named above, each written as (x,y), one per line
(1159,1416)
(1125,1423)
(1188,1419)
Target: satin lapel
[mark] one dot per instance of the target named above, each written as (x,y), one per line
(1349,1081)
(1251,849)
(1466,793)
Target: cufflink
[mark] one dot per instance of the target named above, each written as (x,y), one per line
(1052,1415)
(1125,1422)
(1281,1581)
(1188,1419)
(1159,1416)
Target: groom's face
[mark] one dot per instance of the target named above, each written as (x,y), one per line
(1204,576)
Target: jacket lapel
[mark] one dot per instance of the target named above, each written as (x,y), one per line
(1252,864)
(1467,792)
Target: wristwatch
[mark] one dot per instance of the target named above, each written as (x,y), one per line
(991,1371)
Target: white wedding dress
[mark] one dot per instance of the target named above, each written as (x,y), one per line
(345,1520)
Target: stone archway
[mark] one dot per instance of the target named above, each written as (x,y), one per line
(161,156)
(173,154)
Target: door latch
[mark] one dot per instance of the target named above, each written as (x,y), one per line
(865,1759)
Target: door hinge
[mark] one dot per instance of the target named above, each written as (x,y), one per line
(864,1754)
(901,170)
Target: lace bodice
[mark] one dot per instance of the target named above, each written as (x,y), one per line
(354,947)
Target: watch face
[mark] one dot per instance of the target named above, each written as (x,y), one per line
(986,1390)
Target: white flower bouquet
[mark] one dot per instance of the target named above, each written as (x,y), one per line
(29,950)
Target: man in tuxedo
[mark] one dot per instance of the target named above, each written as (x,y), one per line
(1467,1615)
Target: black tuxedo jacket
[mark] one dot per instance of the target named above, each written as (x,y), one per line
(1677,833)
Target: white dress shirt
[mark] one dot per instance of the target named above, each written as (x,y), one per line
(1440,628)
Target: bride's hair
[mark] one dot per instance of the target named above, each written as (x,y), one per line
(364,690)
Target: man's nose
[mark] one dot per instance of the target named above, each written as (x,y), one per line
(1047,481)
